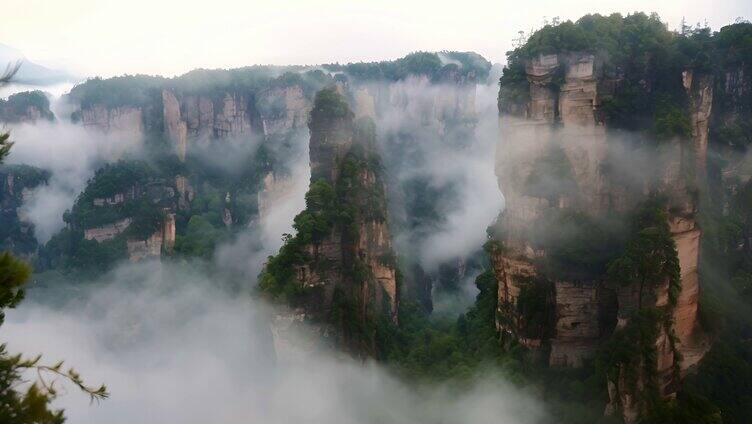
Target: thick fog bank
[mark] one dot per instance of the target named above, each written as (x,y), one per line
(171,347)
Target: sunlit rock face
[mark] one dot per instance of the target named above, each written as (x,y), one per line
(562,115)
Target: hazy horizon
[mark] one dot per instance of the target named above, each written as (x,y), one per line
(97,38)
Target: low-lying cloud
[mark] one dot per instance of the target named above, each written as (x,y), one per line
(173,347)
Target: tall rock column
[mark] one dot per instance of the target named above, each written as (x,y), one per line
(175,127)
(555,170)
(339,271)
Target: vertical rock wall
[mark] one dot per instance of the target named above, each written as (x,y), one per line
(563,112)
(348,275)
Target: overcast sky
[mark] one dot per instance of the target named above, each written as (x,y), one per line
(113,37)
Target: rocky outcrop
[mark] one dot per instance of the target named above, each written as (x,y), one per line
(226,213)
(125,120)
(278,110)
(168,232)
(578,324)
(277,189)
(184,190)
(554,156)
(348,277)
(233,118)
(175,128)
(108,231)
(699,88)
(332,141)
(117,198)
(150,248)
(282,109)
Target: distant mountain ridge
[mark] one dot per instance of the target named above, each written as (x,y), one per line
(30,72)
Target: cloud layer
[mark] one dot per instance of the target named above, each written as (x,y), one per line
(172,347)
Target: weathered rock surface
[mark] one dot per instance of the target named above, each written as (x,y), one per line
(349,274)
(150,248)
(175,128)
(107,232)
(283,109)
(121,120)
(565,116)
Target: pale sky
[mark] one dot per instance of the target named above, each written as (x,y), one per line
(113,37)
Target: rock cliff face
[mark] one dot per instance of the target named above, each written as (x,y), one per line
(162,240)
(108,231)
(348,276)
(122,120)
(185,117)
(201,118)
(139,250)
(559,128)
(336,145)
(282,109)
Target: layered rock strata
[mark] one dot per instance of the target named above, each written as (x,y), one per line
(561,116)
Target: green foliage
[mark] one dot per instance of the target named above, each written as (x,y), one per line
(725,377)
(637,51)
(312,225)
(31,406)
(631,352)
(199,239)
(328,106)
(115,178)
(69,251)
(731,121)
(671,122)
(734,43)
(687,408)
(535,307)
(5,145)
(436,349)
(650,256)
(16,107)
(467,65)
(316,221)
(339,206)
(13,274)
(127,90)
(146,91)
